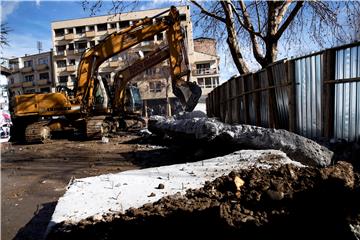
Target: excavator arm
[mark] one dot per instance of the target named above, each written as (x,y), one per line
(122,78)
(187,92)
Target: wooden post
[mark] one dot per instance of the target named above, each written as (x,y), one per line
(327,103)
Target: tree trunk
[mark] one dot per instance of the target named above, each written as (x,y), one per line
(232,40)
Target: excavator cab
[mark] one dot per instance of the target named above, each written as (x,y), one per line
(133,102)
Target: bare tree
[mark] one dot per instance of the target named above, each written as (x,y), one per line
(4,41)
(260,26)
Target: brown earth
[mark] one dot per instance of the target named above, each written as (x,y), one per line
(288,203)
(284,203)
(33,177)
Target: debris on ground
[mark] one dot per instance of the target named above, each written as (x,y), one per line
(298,148)
(286,202)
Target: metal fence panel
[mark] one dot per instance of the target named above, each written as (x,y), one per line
(264,99)
(347,95)
(308,79)
(282,99)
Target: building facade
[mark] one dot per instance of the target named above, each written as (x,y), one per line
(70,38)
(4,98)
(31,74)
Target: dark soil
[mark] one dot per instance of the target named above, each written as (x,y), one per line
(284,203)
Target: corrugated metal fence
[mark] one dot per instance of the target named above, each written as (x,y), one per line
(317,96)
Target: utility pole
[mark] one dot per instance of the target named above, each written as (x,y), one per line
(39,46)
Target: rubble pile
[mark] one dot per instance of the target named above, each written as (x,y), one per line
(187,126)
(286,202)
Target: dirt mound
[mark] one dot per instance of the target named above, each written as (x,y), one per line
(284,203)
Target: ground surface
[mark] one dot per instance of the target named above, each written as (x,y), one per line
(35,176)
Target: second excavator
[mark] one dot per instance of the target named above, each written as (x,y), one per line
(35,116)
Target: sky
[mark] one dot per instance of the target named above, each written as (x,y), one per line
(30,21)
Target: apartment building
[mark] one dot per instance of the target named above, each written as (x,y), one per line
(4,99)
(71,38)
(31,74)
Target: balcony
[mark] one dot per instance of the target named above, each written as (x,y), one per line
(15,85)
(59,37)
(71,68)
(27,84)
(90,34)
(69,36)
(41,67)
(110,31)
(26,69)
(43,82)
(60,53)
(14,69)
(204,71)
(70,52)
(80,50)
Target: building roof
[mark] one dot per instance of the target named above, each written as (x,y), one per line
(207,38)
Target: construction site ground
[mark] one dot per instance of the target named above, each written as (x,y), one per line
(34,176)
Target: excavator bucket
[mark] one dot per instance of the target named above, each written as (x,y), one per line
(189,94)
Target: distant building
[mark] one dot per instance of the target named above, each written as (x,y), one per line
(4,98)
(71,38)
(31,74)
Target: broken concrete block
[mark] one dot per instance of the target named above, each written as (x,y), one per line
(295,146)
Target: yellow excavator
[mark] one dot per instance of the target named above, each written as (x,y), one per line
(36,115)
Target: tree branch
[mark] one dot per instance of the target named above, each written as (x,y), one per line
(256,48)
(204,11)
(289,19)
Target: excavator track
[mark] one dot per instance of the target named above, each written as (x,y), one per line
(96,128)
(37,132)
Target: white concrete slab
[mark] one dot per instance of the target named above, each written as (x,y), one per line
(131,189)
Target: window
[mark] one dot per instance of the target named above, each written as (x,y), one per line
(28,63)
(44,75)
(63,79)
(29,78)
(203,66)
(60,49)
(155,86)
(182,17)
(207,82)
(102,27)
(112,25)
(160,36)
(30,91)
(150,71)
(91,28)
(71,46)
(72,78)
(80,29)
(43,61)
(72,62)
(70,30)
(61,63)
(59,32)
(124,24)
(81,45)
(201,82)
(215,81)
(45,90)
